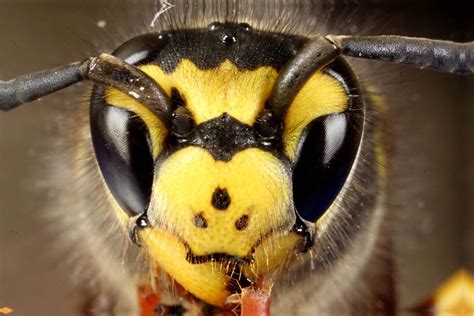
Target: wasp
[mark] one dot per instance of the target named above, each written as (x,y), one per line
(232,158)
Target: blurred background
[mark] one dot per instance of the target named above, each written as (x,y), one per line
(431,116)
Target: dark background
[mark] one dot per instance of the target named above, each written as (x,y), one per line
(432,118)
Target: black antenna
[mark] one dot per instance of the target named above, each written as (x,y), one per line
(105,69)
(451,57)
(30,87)
(446,56)
(423,53)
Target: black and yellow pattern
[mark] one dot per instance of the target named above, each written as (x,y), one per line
(220,200)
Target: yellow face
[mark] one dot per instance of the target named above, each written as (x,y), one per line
(211,219)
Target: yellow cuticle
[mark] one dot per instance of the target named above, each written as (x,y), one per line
(225,89)
(207,281)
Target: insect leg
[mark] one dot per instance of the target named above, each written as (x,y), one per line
(445,56)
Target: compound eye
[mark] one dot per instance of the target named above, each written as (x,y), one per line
(142,49)
(123,151)
(126,137)
(325,159)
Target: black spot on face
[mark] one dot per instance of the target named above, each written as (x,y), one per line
(242,222)
(220,199)
(199,221)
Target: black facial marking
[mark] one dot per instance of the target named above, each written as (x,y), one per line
(208,47)
(199,221)
(216,257)
(242,222)
(220,199)
(223,137)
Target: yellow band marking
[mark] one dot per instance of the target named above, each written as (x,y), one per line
(211,92)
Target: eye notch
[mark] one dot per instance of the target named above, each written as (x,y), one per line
(123,152)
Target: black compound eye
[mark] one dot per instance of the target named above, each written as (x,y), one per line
(121,139)
(142,49)
(329,147)
(124,154)
(325,160)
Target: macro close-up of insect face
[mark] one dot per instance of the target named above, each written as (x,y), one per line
(227,159)
(255,176)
